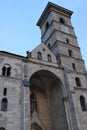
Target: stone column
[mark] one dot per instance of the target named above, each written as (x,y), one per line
(26,104)
(25,95)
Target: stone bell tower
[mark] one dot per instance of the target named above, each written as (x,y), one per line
(58,34)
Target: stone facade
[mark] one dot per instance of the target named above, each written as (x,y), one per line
(47,89)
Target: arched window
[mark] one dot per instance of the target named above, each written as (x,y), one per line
(6,70)
(67,40)
(70,53)
(39,55)
(73,66)
(33,103)
(83,103)
(35,126)
(78,82)
(62,21)
(5,92)
(47,25)
(49,46)
(1,128)
(4,104)
(49,57)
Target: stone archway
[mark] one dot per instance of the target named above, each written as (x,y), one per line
(48,89)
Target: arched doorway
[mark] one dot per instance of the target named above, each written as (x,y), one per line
(35,126)
(48,90)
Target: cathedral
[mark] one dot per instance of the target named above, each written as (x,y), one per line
(47,88)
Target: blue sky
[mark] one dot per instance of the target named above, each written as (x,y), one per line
(18,18)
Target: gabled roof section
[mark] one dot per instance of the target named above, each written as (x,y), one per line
(45,51)
(53,7)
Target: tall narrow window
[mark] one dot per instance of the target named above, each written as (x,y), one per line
(47,25)
(73,66)
(8,71)
(49,46)
(5,92)
(67,40)
(39,55)
(83,103)
(4,104)
(49,57)
(33,103)
(70,53)
(4,70)
(78,82)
